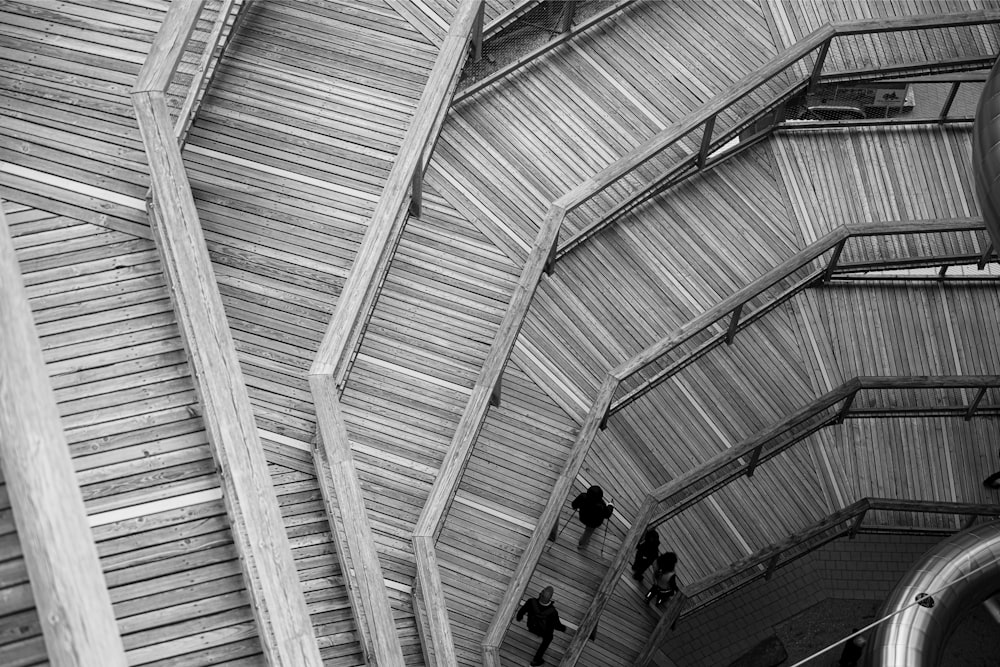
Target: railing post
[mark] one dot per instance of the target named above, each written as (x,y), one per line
(416,191)
(839,248)
(856,526)
(706,142)
(477,34)
(946,107)
(566,19)
(495,394)
(975,403)
(771,566)
(550,261)
(754,458)
(734,325)
(985,257)
(818,67)
(842,415)
(942,271)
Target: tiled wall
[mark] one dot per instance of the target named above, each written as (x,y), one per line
(865,568)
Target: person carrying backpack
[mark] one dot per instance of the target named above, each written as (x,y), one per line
(543,620)
(664,579)
(593,512)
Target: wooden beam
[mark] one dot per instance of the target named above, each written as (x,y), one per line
(168,46)
(215,46)
(975,403)
(442,649)
(533,550)
(541,51)
(818,39)
(457,457)
(833,239)
(258,530)
(386,225)
(664,625)
(70,594)
(676,490)
(345,506)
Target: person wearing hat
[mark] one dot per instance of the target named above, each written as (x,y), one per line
(593,512)
(645,553)
(543,620)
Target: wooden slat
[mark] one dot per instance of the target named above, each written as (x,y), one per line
(279,605)
(73,603)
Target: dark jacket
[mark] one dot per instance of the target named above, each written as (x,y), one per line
(649,547)
(543,619)
(593,509)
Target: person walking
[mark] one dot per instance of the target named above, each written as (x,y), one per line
(543,620)
(645,553)
(664,579)
(593,511)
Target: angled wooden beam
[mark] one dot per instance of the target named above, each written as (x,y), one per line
(168,47)
(70,593)
(664,625)
(345,505)
(278,603)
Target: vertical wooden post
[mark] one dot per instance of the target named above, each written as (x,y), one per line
(74,607)
(772,565)
(818,67)
(416,191)
(985,257)
(550,260)
(975,403)
(706,142)
(734,325)
(846,409)
(477,33)
(833,261)
(495,394)
(946,107)
(856,526)
(754,460)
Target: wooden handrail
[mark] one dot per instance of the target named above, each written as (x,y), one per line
(833,240)
(360,288)
(331,366)
(771,555)
(68,589)
(700,482)
(543,253)
(540,51)
(275,591)
(706,115)
(227,21)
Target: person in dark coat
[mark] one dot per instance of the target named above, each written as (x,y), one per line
(645,553)
(664,579)
(593,512)
(543,620)
(853,649)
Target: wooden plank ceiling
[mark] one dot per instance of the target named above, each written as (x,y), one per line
(286,160)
